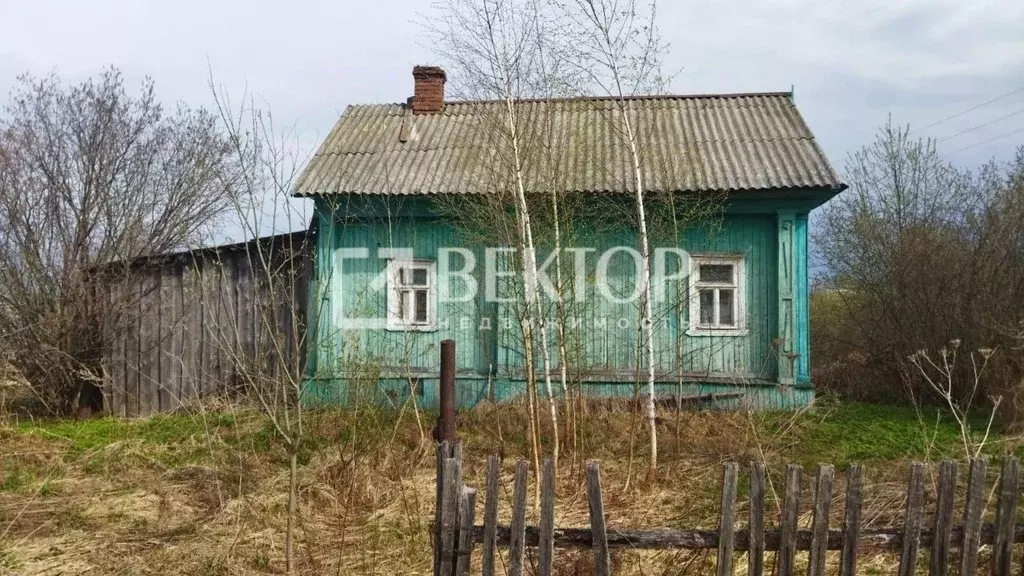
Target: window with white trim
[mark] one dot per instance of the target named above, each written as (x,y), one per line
(717,290)
(411,295)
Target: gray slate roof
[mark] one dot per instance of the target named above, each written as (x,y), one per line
(688,143)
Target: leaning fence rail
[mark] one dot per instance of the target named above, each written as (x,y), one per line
(455,532)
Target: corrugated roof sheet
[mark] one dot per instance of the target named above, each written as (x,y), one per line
(687,143)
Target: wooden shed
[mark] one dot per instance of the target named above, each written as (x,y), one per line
(187,326)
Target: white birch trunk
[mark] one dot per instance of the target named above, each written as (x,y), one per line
(530,282)
(645,253)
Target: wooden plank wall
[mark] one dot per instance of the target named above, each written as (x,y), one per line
(184,327)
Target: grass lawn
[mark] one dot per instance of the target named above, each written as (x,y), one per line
(206,493)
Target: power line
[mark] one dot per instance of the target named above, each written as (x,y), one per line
(973,128)
(971,109)
(1017,131)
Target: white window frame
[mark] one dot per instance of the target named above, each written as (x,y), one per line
(738,285)
(395,321)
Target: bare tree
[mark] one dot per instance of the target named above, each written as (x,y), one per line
(90,175)
(616,46)
(916,254)
(272,373)
(495,48)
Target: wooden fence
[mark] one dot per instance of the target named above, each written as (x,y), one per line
(456,534)
(184,326)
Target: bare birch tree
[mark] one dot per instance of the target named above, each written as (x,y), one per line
(494,45)
(616,46)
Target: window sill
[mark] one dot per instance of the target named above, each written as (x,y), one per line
(717,331)
(394,328)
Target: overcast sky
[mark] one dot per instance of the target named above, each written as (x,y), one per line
(851,62)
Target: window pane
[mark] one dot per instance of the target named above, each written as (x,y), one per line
(707,307)
(419,277)
(717,273)
(401,277)
(421,305)
(400,313)
(726,317)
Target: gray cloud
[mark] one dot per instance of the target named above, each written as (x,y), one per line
(852,63)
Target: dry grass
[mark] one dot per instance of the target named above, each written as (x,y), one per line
(207,495)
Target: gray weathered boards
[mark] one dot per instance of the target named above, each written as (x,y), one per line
(181,326)
(947,542)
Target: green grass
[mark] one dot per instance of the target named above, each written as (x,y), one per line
(852,432)
(17,477)
(840,433)
(86,435)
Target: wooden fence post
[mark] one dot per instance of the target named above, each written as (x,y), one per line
(972,517)
(912,520)
(726,519)
(755,527)
(819,524)
(943,533)
(851,522)
(546,541)
(450,514)
(790,515)
(490,516)
(517,528)
(467,517)
(443,453)
(1002,549)
(599,533)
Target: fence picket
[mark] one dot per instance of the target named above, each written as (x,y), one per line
(942,535)
(755,528)
(912,520)
(851,522)
(599,538)
(726,524)
(790,515)
(546,544)
(467,517)
(1002,550)
(443,453)
(819,525)
(450,514)
(456,532)
(726,521)
(517,542)
(972,517)
(490,516)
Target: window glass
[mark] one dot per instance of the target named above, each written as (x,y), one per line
(707,307)
(716,273)
(419,277)
(421,306)
(725,307)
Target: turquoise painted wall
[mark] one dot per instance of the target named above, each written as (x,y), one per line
(490,361)
(803,321)
(394,393)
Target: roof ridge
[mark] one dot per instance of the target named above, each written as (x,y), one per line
(698,96)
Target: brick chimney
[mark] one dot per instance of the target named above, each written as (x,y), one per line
(429,92)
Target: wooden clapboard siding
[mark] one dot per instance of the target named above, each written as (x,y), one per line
(603,340)
(179,326)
